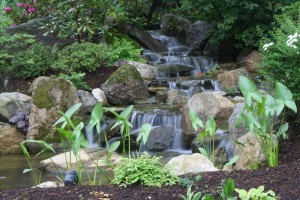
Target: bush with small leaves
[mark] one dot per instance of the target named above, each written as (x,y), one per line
(80,57)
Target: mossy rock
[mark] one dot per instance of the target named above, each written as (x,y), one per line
(126,73)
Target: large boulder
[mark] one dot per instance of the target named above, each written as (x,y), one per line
(190,164)
(250,152)
(10,139)
(197,36)
(11,102)
(251,61)
(145,40)
(160,138)
(147,72)
(89,158)
(124,86)
(49,96)
(237,130)
(207,104)
(229,79)
(172,25)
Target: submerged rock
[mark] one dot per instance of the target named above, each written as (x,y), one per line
(10,139)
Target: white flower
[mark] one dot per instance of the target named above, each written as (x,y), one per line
(292,39)
(266,46)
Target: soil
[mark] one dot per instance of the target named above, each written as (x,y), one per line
(284,180)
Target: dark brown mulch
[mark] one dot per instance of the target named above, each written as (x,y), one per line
(284,180)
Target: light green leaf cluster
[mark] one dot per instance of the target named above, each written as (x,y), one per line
(260,113)
(145,170)
(256,194)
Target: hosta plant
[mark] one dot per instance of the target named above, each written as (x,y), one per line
(262,112)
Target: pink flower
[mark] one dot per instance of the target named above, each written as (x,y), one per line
(31,9)
(13,25)
(19,4)
(26,5)
(7,9)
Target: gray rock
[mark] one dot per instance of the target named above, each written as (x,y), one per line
(172,25)
(147,72)
(197,36)
(190,164)
(125,86)
(11,102)
(99,96)
(234,130)
(229,79)
(88,101)
(160,138)
(174,69)
(146,40)
(10,139)
(251,62)
(177,97)
(207,104)
(49,96)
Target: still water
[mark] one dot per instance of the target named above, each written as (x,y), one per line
(11,172)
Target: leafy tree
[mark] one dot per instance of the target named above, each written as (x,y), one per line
(234,19)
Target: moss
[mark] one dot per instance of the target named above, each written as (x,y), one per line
(125,74)
(41,98)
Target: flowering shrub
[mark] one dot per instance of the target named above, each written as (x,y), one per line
(21,11)
(281,59)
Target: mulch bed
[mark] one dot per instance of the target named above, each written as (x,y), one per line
(284,180)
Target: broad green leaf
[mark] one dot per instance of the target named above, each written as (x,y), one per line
(202,135)
(42,143)
(256,96)
(114,146)
(279,106)
(203,151)
(70,112)
(270,106)
(26,170)
(282,130)
(282,92)
(193,115)
(66,134)
(197,196)
(291,105)
(144,133)
(24,149)
(125,113)
(232,160)
(246,86)
(211,126)
(229,187)
(96,117)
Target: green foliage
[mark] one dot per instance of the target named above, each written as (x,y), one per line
(84,20)
(260,113)
(145,170)
(190,195)
(186,182)
(80,57)
(33,62)
(45,146)
(256,194)
(280,50)
(9,46)
(236,19)
(207,136)
(125,125)
(77,79)
(122,49)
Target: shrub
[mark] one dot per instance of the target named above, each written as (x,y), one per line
(33,62)
(80,57)
(236,19)
(77,79)
(280,51)
(145,170)
(123,49)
